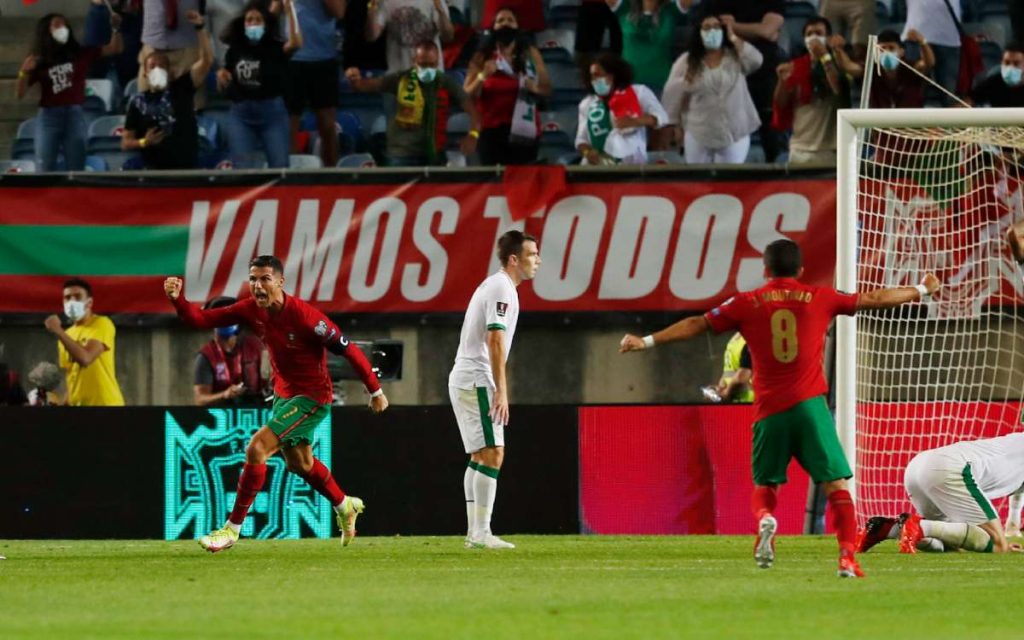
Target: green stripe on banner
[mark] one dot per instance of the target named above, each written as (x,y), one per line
(976,493)
(485,416)
(93,250)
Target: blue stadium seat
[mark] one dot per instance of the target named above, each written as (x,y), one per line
(117,160)
(95,163)
(562,120)
(357,161)
(23,146)
(131,89)
(556,45)
(991,54)
(17,166)
(304,161)
(105,135)
(455,159)
(565,75)
(799,11)
(102,90)
(458,125)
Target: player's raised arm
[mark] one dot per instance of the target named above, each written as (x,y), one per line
(683,330)
(201,318)
(888,298)
(335,342)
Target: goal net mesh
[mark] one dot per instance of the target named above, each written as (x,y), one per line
(932,373)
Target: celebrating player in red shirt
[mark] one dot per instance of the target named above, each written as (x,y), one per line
(296,336)
(784,323)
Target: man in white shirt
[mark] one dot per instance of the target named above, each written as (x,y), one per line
(477,385)
(932,19)
(408,23)
(952,489)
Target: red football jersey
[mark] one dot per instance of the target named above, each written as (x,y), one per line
(784,324)
(296,337)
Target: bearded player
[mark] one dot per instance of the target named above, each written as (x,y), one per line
(296,335)
(784,323)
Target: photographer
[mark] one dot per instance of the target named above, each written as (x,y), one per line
(228,368)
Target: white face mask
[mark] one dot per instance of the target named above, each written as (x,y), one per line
(157,77)
(809,40)
(74,310)
(61,34)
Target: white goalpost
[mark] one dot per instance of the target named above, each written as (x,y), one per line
(927,190)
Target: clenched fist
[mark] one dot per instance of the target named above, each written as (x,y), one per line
(172,287)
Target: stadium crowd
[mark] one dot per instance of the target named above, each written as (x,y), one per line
(182,84)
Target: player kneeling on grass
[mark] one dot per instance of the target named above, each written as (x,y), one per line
(296,335)
(784,323)
(952,489)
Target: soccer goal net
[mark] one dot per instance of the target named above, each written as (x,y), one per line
(927,190)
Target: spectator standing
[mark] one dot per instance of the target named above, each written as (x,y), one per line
(505,76)
(408,22)
(124,66)
(160,122)
(810,90)
(758,22)
(356,50)
(853,19)
(86,349)
(313,73)
(417,133)
(648,31)
(58,64)
(613,119)
(898,87)
(933,20)
(256,63)
(595,19)
(707,95)
(166,30)
(530,13)
(228,367)
(1003,89)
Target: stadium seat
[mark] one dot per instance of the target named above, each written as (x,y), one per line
(882,13)
(130,89)
(304,161)
(95,163)
(799,11)
(17,166)
(991,31)
(991,54)
(355,123)
(665,157)
(561,120)
(458,125)
(565,75)
(570,158)
(556,45)
(23,146)
(105,135)
(102,90)
(756,154)
(116,160)
(564,13)
(459,76)
(456,159)
(357,161)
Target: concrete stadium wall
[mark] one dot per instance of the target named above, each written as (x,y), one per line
(564,365)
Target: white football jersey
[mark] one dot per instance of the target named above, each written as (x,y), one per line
(997,464)
(494,305)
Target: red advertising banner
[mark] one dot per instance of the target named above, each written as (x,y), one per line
(413,247)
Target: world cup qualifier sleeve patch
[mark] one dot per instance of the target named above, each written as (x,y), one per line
(501,308)
(320,329)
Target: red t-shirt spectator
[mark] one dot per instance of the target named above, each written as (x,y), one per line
(530,13)
(62,84)
(903,90)
(497,100)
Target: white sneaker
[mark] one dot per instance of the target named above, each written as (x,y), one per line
(468,542)
(490,541)
(764,546)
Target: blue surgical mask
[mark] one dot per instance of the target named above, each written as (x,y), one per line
(254,32)
(1011,74)
(889,60)
(426,74)
(712,38)
(74,310)
(226,332)
(601,86)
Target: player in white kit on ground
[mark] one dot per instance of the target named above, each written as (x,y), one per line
(477,385)
(952,489)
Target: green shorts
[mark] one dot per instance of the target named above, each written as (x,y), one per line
(804,431)
(293,420)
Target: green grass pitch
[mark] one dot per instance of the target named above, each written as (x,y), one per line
(549,587)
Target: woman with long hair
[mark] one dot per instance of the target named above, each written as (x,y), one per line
(505,76)
(648,31)
(613,119)
(253,76)
(707,95)
(59,64)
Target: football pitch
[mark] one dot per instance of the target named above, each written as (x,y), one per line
(549,587)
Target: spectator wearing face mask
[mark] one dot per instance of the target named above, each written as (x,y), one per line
(707,95)
(613,120)
(898,87)
(1004,89)
(167,30)
(648,30)
(228,368)
(58,64)
(505,77)
(86,349)
(407,23)
(255,66)
(810,90)
(161,122)
(417,133)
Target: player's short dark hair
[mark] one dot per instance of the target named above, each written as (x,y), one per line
(1016,46)
(818,20)
(219,301)
(889,37)
(78,282)
(426,43)
(267,261)
(782,258)
(511,244)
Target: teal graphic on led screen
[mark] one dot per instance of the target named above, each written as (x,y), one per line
(201,474)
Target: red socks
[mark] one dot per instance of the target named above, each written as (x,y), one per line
(844,520)
(320,478)
(763,501)
(253,476)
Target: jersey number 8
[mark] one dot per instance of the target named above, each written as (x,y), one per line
(784,344)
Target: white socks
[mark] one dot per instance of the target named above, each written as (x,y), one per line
(957,535)
(485,487)
(467,487)
(237,528)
